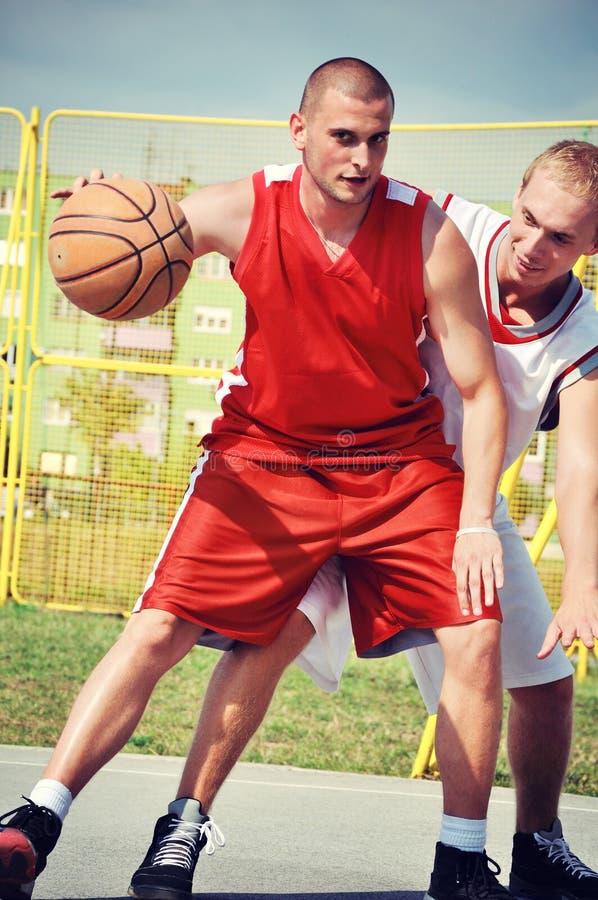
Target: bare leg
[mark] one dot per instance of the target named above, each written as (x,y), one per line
(236,701)
(113,699)
(539,743)
(469,716)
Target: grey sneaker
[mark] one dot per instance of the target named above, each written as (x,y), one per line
(166,873)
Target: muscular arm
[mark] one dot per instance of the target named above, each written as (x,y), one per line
(576,495)
(459,326)
(219,216)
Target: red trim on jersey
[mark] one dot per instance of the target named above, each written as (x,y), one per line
(487,273)
(446,202)
(502,335)
(575,366)
(500,332)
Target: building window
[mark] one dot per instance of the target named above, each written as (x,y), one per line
(70,464)
(7,201)
(213,319)
(8,305)
(212,363)
(7,196)
(52,463)
(55,413)
(218,365)
(198,422)
(14,254)
(213,266)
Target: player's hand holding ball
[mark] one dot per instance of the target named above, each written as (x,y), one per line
(119,248)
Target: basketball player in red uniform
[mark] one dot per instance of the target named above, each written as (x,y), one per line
(327,444)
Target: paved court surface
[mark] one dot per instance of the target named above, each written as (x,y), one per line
(291,833)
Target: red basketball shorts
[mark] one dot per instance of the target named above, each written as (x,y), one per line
(249,537)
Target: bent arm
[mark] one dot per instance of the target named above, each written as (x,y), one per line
(459,326)
(576,495)
(219,216)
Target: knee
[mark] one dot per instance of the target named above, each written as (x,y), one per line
(159,634)
(474,647)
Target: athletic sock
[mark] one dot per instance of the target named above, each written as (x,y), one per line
(187,808)
(53,795)
(464,834)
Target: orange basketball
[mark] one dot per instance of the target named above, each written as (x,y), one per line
(120,248)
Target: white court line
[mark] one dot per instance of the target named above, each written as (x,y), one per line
(296,786)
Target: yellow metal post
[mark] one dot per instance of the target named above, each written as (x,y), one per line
(509,478)
(425,758)
(542,535)
(27,168)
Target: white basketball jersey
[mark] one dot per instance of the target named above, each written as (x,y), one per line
(536,362)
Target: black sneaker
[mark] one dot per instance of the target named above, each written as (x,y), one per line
(458,874)
(166,873)
(544,868)
(25,842)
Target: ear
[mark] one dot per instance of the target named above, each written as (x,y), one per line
(297,129)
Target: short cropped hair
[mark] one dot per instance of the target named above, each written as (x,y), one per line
(351,76)
(573,165)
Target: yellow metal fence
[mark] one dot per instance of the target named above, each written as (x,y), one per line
(100,421)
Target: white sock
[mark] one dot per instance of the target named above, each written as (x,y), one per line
(53,795)
(464,834)
(187,808)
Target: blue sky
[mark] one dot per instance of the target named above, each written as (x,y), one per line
(447,60)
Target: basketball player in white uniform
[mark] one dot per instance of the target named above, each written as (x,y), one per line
(546,343)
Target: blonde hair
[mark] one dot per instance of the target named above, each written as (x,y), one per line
(351,76)
(573,165)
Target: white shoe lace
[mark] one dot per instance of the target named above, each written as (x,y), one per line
(179,847)
(558,851)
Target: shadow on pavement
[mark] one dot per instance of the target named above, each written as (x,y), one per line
(331,895)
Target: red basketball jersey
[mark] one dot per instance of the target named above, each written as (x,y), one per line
(329,370)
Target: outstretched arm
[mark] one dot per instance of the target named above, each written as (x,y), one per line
(219,215)
(460,327)
(576,495)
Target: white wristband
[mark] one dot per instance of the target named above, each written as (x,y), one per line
(479,529)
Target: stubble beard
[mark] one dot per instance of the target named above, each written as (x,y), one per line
(339,190)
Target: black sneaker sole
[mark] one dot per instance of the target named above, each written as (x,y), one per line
(147,892)
(523,890)
(16,891)
(543,894)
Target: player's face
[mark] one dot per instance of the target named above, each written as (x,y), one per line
(550,229)
(344,143)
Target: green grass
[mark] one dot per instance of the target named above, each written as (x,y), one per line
(373,724)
